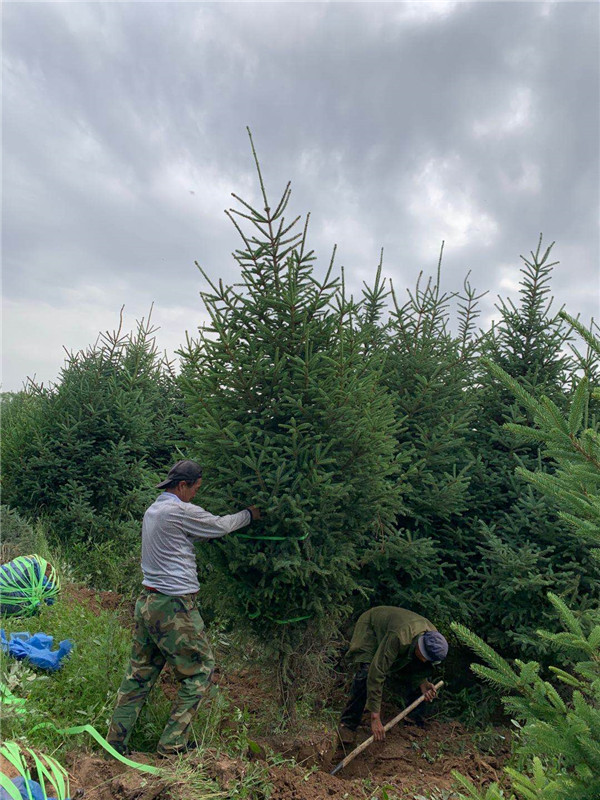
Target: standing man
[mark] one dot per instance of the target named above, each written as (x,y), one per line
(387,637)
(168,626)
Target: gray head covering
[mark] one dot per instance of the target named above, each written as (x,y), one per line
(433,646)
(182,471)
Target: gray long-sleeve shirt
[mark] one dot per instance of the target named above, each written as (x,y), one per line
(169,529)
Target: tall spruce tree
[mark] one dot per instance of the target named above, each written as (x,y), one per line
(287,413)
(428,371)
(516,545)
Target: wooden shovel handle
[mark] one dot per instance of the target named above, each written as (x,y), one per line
(388,726)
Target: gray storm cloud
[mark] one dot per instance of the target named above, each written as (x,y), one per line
(399,125)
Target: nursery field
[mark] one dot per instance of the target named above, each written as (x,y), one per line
(328,459)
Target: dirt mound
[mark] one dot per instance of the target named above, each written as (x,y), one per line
(413,758)
(294,784)
(99,600)
(309,749)
(95,778)
(245,688)
(284,782)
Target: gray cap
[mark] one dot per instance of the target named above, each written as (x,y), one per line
(182,471)
(433,646)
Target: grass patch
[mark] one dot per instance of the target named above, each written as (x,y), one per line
(83,691)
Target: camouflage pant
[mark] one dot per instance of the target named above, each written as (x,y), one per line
(167,629)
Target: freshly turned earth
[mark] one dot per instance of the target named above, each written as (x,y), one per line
(410,761)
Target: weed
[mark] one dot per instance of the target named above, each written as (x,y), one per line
(108,565)
(424,752)
(473,705)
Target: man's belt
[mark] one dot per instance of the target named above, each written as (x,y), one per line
(157,591)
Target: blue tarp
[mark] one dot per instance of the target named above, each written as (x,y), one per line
(22,784)
(36,648)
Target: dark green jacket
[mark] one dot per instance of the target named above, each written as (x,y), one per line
(385,637)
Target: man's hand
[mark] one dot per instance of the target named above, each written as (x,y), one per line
(254,511)
(376,727)
(428,691)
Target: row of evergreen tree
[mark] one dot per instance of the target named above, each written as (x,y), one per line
(557,712)
(370,433)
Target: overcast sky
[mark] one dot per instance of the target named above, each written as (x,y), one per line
(399,124)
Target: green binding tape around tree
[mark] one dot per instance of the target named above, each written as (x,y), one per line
(25,582)
(102,742)
(273,538)
(289,621)
(48,769)
(256,614)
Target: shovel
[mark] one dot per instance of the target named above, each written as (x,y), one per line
(388,726)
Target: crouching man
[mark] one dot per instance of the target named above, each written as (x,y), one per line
(387,639)
(168,625)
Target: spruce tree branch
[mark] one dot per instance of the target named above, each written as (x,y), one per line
(260,179)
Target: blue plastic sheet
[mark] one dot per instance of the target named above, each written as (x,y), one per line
(22,785)
(36,648)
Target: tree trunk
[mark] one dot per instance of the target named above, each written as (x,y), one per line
(286,682)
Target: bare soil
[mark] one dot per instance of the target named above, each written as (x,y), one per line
(100,601)
(94,778)
(412,761)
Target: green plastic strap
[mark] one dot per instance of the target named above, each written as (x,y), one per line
(42,773)
(273,538)
(8,698)
(256,614)
(12,753)
(45,765)
(289,621)
(102,742)
(26,581)
(9,787)
(54,772)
